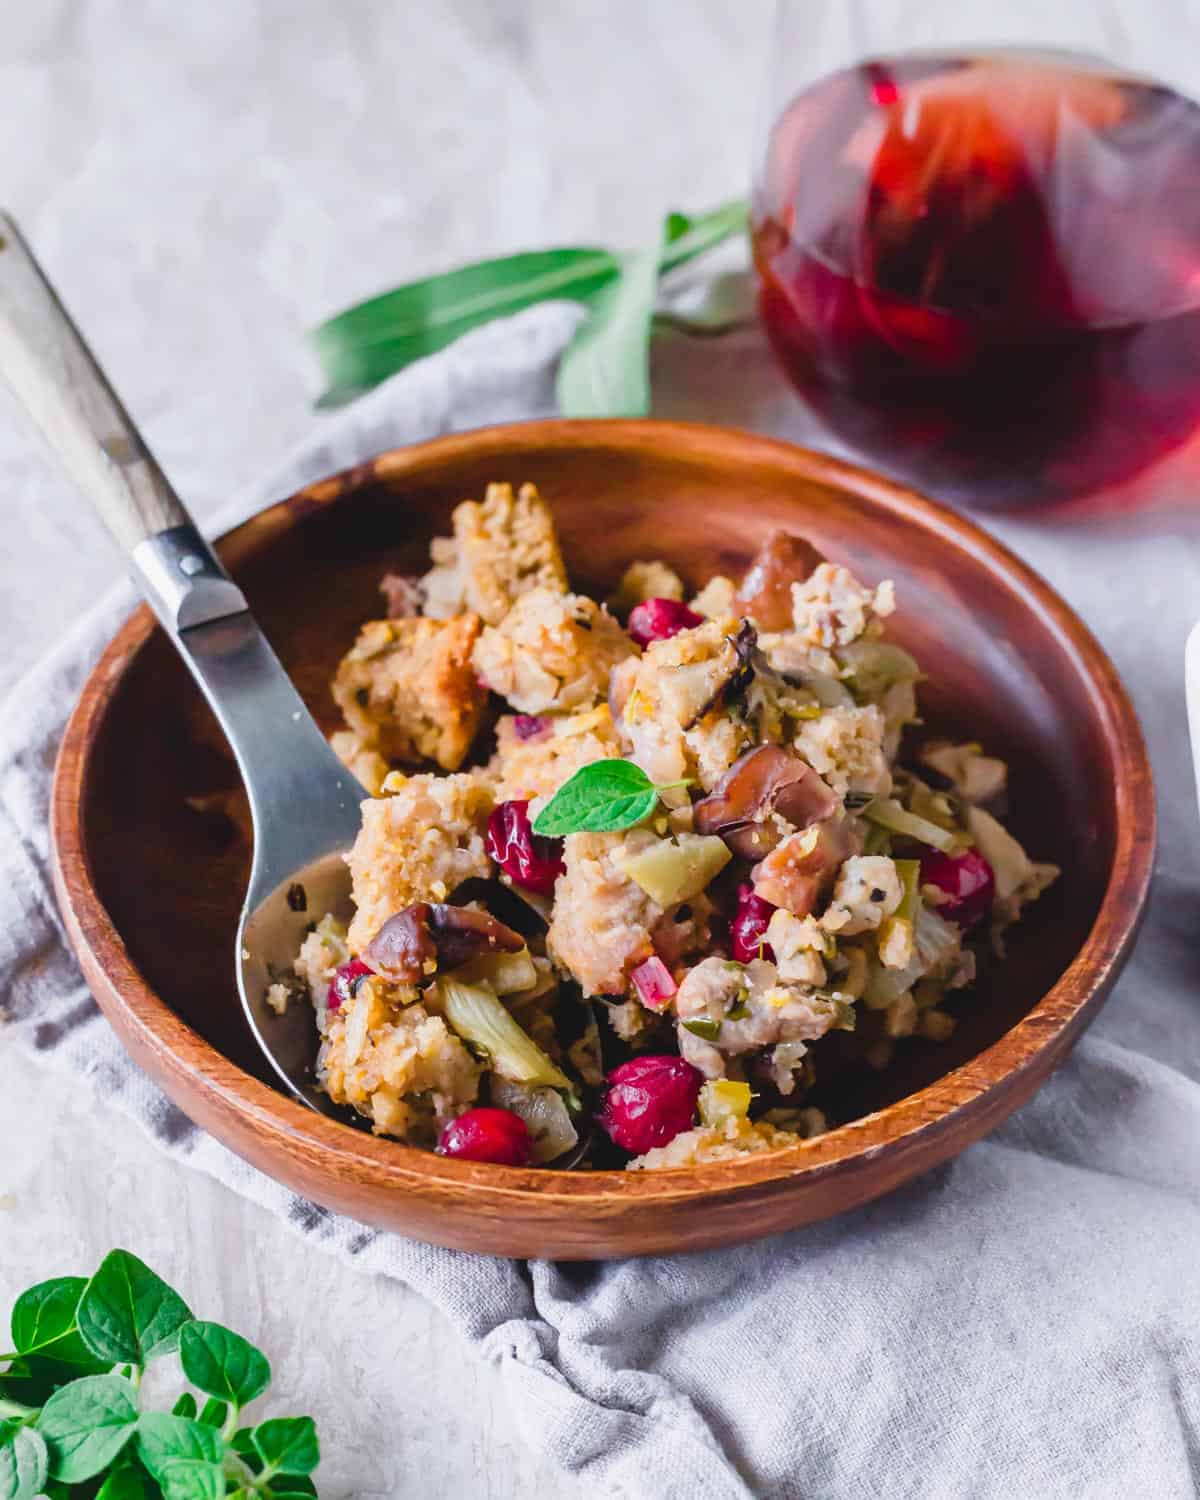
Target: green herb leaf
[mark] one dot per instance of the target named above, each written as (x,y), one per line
(185,1406)
(127,1314)
(161,1439)
(605,370)
(215,1413)
(703,1027)
(192,1479)
(43,1322)
(24,1464)
(123,1484)
(291,1484)
(222,1363)
(86,1424)
(374,339)
(288,1445)
(367,343)
(604,796)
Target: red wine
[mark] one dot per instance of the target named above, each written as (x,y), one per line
(984,273)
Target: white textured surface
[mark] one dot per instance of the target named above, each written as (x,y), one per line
(203,184)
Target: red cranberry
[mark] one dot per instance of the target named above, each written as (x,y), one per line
(648,1102)
(659,619)
(528,860)
(967,879)
(530,726)
(487,1135)
(748,926)
(345,982)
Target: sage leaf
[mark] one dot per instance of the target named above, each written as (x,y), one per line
(162,1439)
(604,796)
(86,1425)
(127,1314)
(288,1445)
(192,1479)
(43,1322)
(369,342)
(24,1464)
(605,369)
(123,1484)
(222,1363)
(364,345)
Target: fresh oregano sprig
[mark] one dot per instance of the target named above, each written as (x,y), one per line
(71,1419)
(604,369)
(604,796)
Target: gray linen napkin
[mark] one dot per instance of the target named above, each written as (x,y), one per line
(1024,1321)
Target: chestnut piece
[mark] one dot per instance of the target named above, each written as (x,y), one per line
(422,937)
(765,593)
(765,780)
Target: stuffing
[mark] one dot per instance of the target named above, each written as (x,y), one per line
(717,600)
(408,690)
(733,1137)
(363,761)
(831,608)
(501,549)
(417,845)
(974,776)
(800,948)
(726,1008)
(767,725)
(868,890)
(602,918)
(673,717)
(535,755)
(401,1067)
(646,580)
(846,747)
(551,653)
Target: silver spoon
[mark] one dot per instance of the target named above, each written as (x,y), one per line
(303,801)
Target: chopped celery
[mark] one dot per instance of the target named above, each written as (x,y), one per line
(703,1027)
(934,941)
(877,841)
(873,666)
(551,1132)
(909,871)
(724,1099)
(887,813)
(671,871)
(506,973)
(479,1017)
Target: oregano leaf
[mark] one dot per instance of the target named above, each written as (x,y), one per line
(86,1424)
(192,1479)
(43,1322)
(127,1314)
(604,796)
(162,1439)
(24,1464)
(222,1363)
(288,1445)
(125,1483)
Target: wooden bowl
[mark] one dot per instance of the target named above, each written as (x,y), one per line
(150,881)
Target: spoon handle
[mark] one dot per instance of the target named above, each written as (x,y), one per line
(56,378)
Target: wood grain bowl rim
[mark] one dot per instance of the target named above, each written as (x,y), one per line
(967,1101)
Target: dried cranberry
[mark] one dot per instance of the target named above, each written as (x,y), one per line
(345,982)
(530,861)
(967,880)
(530,726)
(484,1134)
(660,619)
(648,1102)
(748,926)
